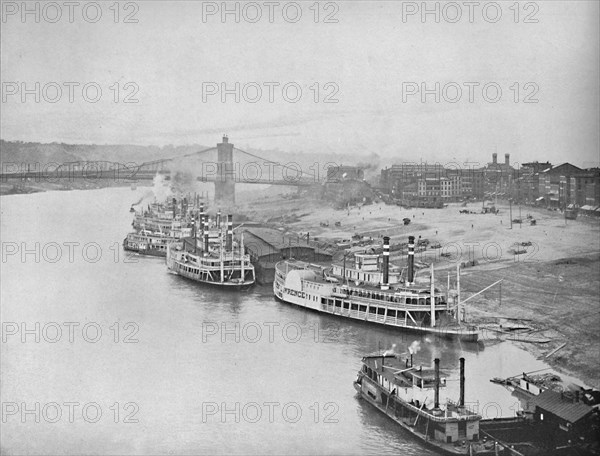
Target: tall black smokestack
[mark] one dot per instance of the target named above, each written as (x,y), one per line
(206,234)
(219,219)
(386,263)
(174,207)
(229,238)
(461,401)
(411,259)
(494,158)
(436,400)
(201,222)
(195,234)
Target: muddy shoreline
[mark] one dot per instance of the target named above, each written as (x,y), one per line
(554,288)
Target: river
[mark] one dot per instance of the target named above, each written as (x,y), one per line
(104,353)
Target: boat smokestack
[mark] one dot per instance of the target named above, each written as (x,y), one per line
(195,233)
(386,263)
(436,400)
(461,401)
(219,219)
(201,221)
(411,360)
(411,259)
(229,239)
(206,234)
(174,207)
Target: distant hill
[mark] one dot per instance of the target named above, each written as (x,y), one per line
(31,152)
(18,151)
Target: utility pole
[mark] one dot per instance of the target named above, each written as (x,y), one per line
(510,211)
(519,199)
(500,287)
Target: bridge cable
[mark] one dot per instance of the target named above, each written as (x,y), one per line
(275,163)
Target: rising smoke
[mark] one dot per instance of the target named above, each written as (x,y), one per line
(390,351)
(371,167)
(161,189)
(414,347)
(183,176)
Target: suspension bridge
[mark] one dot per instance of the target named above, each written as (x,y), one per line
(224,165)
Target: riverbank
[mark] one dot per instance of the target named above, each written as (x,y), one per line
(558,299)
(30,186)
(554,287)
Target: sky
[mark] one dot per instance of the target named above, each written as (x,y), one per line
(374,77)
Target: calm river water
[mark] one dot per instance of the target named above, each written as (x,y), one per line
(107,354)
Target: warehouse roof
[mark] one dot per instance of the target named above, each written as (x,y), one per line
(275,240)
(562,406)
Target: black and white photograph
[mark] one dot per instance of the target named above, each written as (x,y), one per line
(351,227)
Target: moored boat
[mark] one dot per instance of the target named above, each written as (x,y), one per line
(212,258)
(159,225)
(410,395)
(146,242)
(370,289)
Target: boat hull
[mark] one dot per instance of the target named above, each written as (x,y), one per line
(210,276)
(146,252)
(233,286)
(463,334)
(446,449)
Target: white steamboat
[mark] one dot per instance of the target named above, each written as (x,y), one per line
(370,290)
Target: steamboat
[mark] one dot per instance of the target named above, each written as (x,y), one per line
(146,242)
(160,225)
(370,289)
(208,260)
(160,217)
(410,396)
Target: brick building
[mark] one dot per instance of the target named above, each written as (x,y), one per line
(555,184)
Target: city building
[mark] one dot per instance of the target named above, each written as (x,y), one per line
(555,184)
(584,188)
(529,181)
(499,177)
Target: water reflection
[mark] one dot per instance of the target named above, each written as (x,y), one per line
(197,346)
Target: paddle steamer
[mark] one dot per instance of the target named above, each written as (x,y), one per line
(212,258)
(370,289)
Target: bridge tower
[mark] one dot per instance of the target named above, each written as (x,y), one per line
(225,184)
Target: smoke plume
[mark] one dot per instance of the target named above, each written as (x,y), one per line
(414,347)
(160,188)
